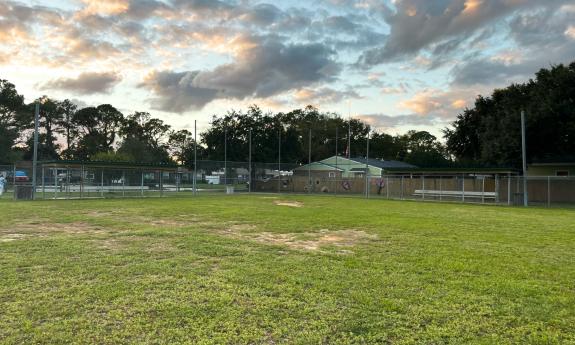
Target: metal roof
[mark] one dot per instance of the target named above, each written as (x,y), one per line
(328,166)
(63,163)
(384,164)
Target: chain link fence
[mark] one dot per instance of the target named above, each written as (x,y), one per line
(84,181)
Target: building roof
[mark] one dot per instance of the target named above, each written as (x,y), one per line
(454,171)
(108,164)
(318,166)
(384,164)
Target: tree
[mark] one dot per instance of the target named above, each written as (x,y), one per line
(424,150)
(68,109)
(49,120)
(98,127)
(181,145)
(490,132)
(293,127)
(145,138)
(12,114)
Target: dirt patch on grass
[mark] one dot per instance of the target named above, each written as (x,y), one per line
(11,237)
(312,241)
(99,214)
(42,229)
(288,203)
(316,240)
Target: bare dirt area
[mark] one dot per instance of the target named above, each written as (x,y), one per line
(42,229)
(288,203)
(312,241)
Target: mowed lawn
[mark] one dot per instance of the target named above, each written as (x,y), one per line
(284,269)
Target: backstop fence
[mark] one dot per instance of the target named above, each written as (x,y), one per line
(92,180)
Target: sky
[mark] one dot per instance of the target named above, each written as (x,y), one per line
(396,64)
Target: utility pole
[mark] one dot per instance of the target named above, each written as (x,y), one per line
(336,138)
(309,161)
(35,157)
(250,162)
(195,156)
(367,177)
(349,131)
(279,160)
(226,156)
(524,154)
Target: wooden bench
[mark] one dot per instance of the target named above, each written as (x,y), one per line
(455,194)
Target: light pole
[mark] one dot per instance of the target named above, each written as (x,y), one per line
(195,156)
(524,154)
(35,156)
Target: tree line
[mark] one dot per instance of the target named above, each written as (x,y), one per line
(489,134)
(103,133)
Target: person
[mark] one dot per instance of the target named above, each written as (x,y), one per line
(2,184)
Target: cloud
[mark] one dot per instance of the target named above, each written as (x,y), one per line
(85,83)
(541,41)
(264,68)
(324,95)
(440,103)
(177,91)
(442,25)
(388,122)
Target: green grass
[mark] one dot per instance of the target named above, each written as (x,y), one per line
(241,269)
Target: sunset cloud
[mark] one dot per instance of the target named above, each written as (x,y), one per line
(429,59)
(85,83)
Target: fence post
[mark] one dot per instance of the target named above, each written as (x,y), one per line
(440,189)
(250,162)
(43,185)
(548,191)
(309,184)
(161,174)
(279,161)
(67,182)
(422,187)
(463,188)
(82,181)
(14,180)
(508,189)
(123,183)
(387,187)
(196,157)
(142,185)
(367,172)
(401,193)
(497,189)
(483,190)
(55,183)
(102,183)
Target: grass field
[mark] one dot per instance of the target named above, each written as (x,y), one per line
(284,269)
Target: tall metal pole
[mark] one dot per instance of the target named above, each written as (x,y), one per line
(35,157)
(195,157)
(279,160)
(226,156)
(349,138)
(367,168)
(250,162)
(309,161)
(524,154)
(336,139)
(336,167)
(349,131)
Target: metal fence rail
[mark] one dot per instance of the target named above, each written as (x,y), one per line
(211,177)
